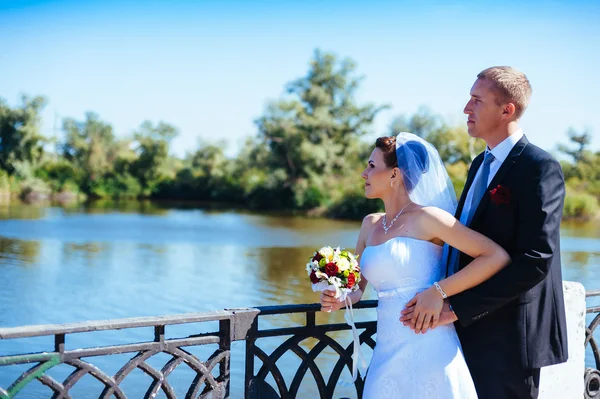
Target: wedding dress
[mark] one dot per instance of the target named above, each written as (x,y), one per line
(405,364)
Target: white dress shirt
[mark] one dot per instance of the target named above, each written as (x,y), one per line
(500,152)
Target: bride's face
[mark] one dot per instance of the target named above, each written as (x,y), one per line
(378,176)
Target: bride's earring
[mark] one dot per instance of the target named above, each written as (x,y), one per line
(391,184)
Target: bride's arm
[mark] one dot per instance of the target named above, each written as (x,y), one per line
(488,259)
(328,300)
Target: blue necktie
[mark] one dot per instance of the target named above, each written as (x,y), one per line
(479,186)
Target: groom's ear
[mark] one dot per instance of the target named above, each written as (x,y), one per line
(508,111)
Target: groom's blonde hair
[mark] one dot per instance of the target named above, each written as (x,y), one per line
(510,85)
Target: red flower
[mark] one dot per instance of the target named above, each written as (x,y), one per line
(331,269)
(500,195)
(351,280)
(317,257)
(313,277)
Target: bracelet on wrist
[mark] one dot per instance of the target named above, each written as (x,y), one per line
(440,290)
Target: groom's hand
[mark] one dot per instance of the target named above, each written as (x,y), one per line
(446,317)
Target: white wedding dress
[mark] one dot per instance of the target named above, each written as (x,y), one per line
(405,364)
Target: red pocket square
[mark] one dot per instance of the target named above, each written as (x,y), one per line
(500,195)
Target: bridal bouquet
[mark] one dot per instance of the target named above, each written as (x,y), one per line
(337,270)
(334,269)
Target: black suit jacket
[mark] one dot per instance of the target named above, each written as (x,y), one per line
(517,318)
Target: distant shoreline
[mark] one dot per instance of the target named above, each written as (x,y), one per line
(69,199)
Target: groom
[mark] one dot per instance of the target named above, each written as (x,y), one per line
(514,323)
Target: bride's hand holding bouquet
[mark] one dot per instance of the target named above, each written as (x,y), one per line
(334,272)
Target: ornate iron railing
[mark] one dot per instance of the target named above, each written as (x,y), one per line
(592,375)
(256,384)
(234,325)
(204,383)
(261,364)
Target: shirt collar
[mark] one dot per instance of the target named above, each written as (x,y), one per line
(501,151)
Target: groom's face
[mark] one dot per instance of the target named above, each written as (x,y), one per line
(484,112)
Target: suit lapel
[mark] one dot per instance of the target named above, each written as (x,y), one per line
(470,176)
(508,163)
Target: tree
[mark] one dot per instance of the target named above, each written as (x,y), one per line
(455,145)
(152,148)
(21,144)
(421,123)
(90,145)
(582,141)
(582,174)
(452,142)
(313,132)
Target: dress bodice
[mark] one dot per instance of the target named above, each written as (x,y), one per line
(405,364)
(402,263)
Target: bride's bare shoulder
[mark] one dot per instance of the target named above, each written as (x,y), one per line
(368,225)
(435,215)
(372,218)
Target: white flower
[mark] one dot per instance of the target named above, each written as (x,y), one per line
(309,268)
(343,264)
(335,281)
(320,274)
(312,266)
(327,253)
(336,257)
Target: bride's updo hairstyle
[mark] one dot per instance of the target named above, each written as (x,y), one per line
(410,157)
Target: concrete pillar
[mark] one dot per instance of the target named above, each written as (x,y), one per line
(565,381)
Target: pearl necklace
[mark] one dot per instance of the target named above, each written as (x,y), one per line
(384,220)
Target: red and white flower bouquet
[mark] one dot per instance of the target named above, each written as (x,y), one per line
(334,269)
(337,270)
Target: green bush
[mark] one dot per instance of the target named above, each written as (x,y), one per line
(351,202)
(63,171)
(35,187)
(127,186)
(309,194)
(68,186)
(458,175)
(580,205)
(121,186)
(4,182)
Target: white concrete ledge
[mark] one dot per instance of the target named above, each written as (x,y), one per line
(565,381)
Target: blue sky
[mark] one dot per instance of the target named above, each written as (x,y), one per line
(209,68)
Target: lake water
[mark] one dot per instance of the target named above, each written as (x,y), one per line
(110,260)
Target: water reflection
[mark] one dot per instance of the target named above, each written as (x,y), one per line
(579,259)
(588,229)
(583,267)
(12,210)
(145,207)
(18,252)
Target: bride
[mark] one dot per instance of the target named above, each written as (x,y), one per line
(402,253)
